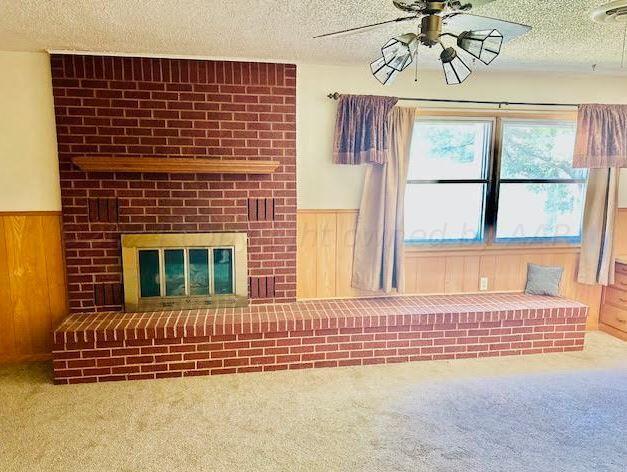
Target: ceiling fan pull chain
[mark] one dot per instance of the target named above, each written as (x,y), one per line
(416,68)
(622,59)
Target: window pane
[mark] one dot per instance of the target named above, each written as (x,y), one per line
(441,212)
(199,272)
(540,210)
(174,272)
(448,150)
(223,270)
(149,277)
(540,150)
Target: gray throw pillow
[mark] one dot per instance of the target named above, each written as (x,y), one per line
(543,280)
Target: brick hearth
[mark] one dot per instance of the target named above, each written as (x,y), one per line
(97,347)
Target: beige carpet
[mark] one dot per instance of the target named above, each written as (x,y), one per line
(556,412)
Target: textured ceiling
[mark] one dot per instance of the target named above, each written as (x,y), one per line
(563,38)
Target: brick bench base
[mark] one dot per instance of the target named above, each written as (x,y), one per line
(127,346)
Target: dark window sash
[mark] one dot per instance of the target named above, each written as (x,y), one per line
(492,169)
(503,181)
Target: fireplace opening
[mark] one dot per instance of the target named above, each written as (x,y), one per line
(169,271)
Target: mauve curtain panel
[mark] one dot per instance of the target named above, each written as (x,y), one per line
(379,238)
(601,146)
(361,129)
(596,260)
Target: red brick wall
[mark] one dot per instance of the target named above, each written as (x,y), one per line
(174,108)
(138,359)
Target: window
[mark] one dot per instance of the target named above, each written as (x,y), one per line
(447,180)
(496,179)
(540,194)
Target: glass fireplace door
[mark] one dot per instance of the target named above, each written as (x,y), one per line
(194,273)
(199,279)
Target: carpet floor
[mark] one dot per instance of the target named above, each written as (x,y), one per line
(555,412)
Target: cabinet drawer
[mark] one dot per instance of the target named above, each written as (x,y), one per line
(620,281)
(616,297)
(614,317)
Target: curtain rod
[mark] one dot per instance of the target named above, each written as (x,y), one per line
(337,95)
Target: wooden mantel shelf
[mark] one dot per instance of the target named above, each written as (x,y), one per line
(173,164)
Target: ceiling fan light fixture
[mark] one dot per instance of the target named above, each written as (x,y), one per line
(484,45)
(432,20)
(455,70)
(382,72)
(398,52)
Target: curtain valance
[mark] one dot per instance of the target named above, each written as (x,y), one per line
(362,129)
(601,136)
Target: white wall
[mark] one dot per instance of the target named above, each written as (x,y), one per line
(29,177)
(321,184)
(29,172)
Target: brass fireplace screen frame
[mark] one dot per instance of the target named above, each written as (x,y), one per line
(133,243)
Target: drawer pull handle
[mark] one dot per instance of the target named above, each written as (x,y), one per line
(624,300)
(621,321)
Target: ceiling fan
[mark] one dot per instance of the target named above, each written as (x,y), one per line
(479,36)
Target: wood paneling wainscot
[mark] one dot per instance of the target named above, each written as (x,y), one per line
(33,289)
(325,255)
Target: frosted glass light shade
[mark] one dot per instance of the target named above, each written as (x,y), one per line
(455,70)
(484,45)
(398,52)
(382,72)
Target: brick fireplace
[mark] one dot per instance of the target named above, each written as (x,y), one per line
(168,112)
(114,106)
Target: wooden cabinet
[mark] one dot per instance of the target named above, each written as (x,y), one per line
(613,317)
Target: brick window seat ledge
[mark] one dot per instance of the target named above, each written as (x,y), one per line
(96,347)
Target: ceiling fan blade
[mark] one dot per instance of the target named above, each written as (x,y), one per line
(477,3)
(361,29)
(460,21)
(462,6)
